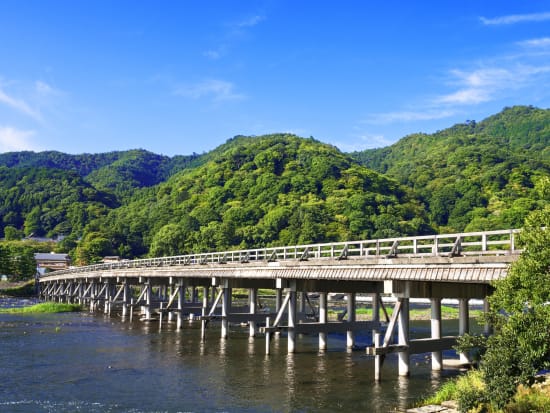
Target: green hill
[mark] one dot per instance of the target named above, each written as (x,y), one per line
(474,176)
(259,191)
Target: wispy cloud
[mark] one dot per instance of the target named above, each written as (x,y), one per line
(19,105)
(12,139)
(477,86)
(487,84)
(407,116)
(250,22)
(214,89)
(364,141)
(233,33)
(543,42)
(515,18)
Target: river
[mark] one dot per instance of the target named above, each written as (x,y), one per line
(82,362)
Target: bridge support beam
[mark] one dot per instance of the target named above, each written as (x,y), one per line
(403,337)
(291,345)
(323,318)
(350,334)
(252,302)
(181,299)
(463,325)
(437,360)
(226,309)
(125,298)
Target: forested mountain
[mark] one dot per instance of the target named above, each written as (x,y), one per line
(260,191)
(474,176)
(280,189)
(48,202)
(119,173)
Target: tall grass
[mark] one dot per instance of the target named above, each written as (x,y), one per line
(48,307)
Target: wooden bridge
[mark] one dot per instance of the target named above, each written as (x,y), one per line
(303,279)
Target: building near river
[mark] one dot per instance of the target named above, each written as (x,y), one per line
(51,261)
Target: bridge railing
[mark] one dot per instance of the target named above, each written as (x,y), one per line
(502,242)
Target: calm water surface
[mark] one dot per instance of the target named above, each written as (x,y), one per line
(79,362)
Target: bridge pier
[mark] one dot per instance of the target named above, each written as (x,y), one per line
(350,334)
(252,303)
(323,318)
(403,337)
(437,359)
(226,308)
(291,345)
(463,325)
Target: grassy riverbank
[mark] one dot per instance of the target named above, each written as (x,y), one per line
(447,312)
(41,308)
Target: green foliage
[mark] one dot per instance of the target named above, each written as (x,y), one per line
(520,313)
(263,191)
(17,259)
(48,307)
(474,176)
(471,392)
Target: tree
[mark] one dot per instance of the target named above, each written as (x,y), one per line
(520,313)
(12,233)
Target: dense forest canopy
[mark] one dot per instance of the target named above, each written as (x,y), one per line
(279,189)
(474,176)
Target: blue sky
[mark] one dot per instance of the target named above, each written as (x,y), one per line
(176,77)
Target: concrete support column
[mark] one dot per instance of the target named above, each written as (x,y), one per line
(125,298)
(323,318)
(437,360)
(148,299)
(252,300)
(292,317)
(403,333)
(226,309)
(92,297)
(107,303)
(375,305)
(350,341)
(463,324)
(181,300)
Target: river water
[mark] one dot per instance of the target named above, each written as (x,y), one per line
(82,362)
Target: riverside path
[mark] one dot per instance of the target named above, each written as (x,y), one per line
(303,280)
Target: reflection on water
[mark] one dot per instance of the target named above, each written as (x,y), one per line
(92,363)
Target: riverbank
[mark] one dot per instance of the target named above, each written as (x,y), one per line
(42,308)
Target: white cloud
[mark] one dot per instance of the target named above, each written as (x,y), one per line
(250,22)
(407,116)
(12,139)
(19,105)
(215,89)
(466,97)
(362,142)
(487,84)
(515,18)
(543,42)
